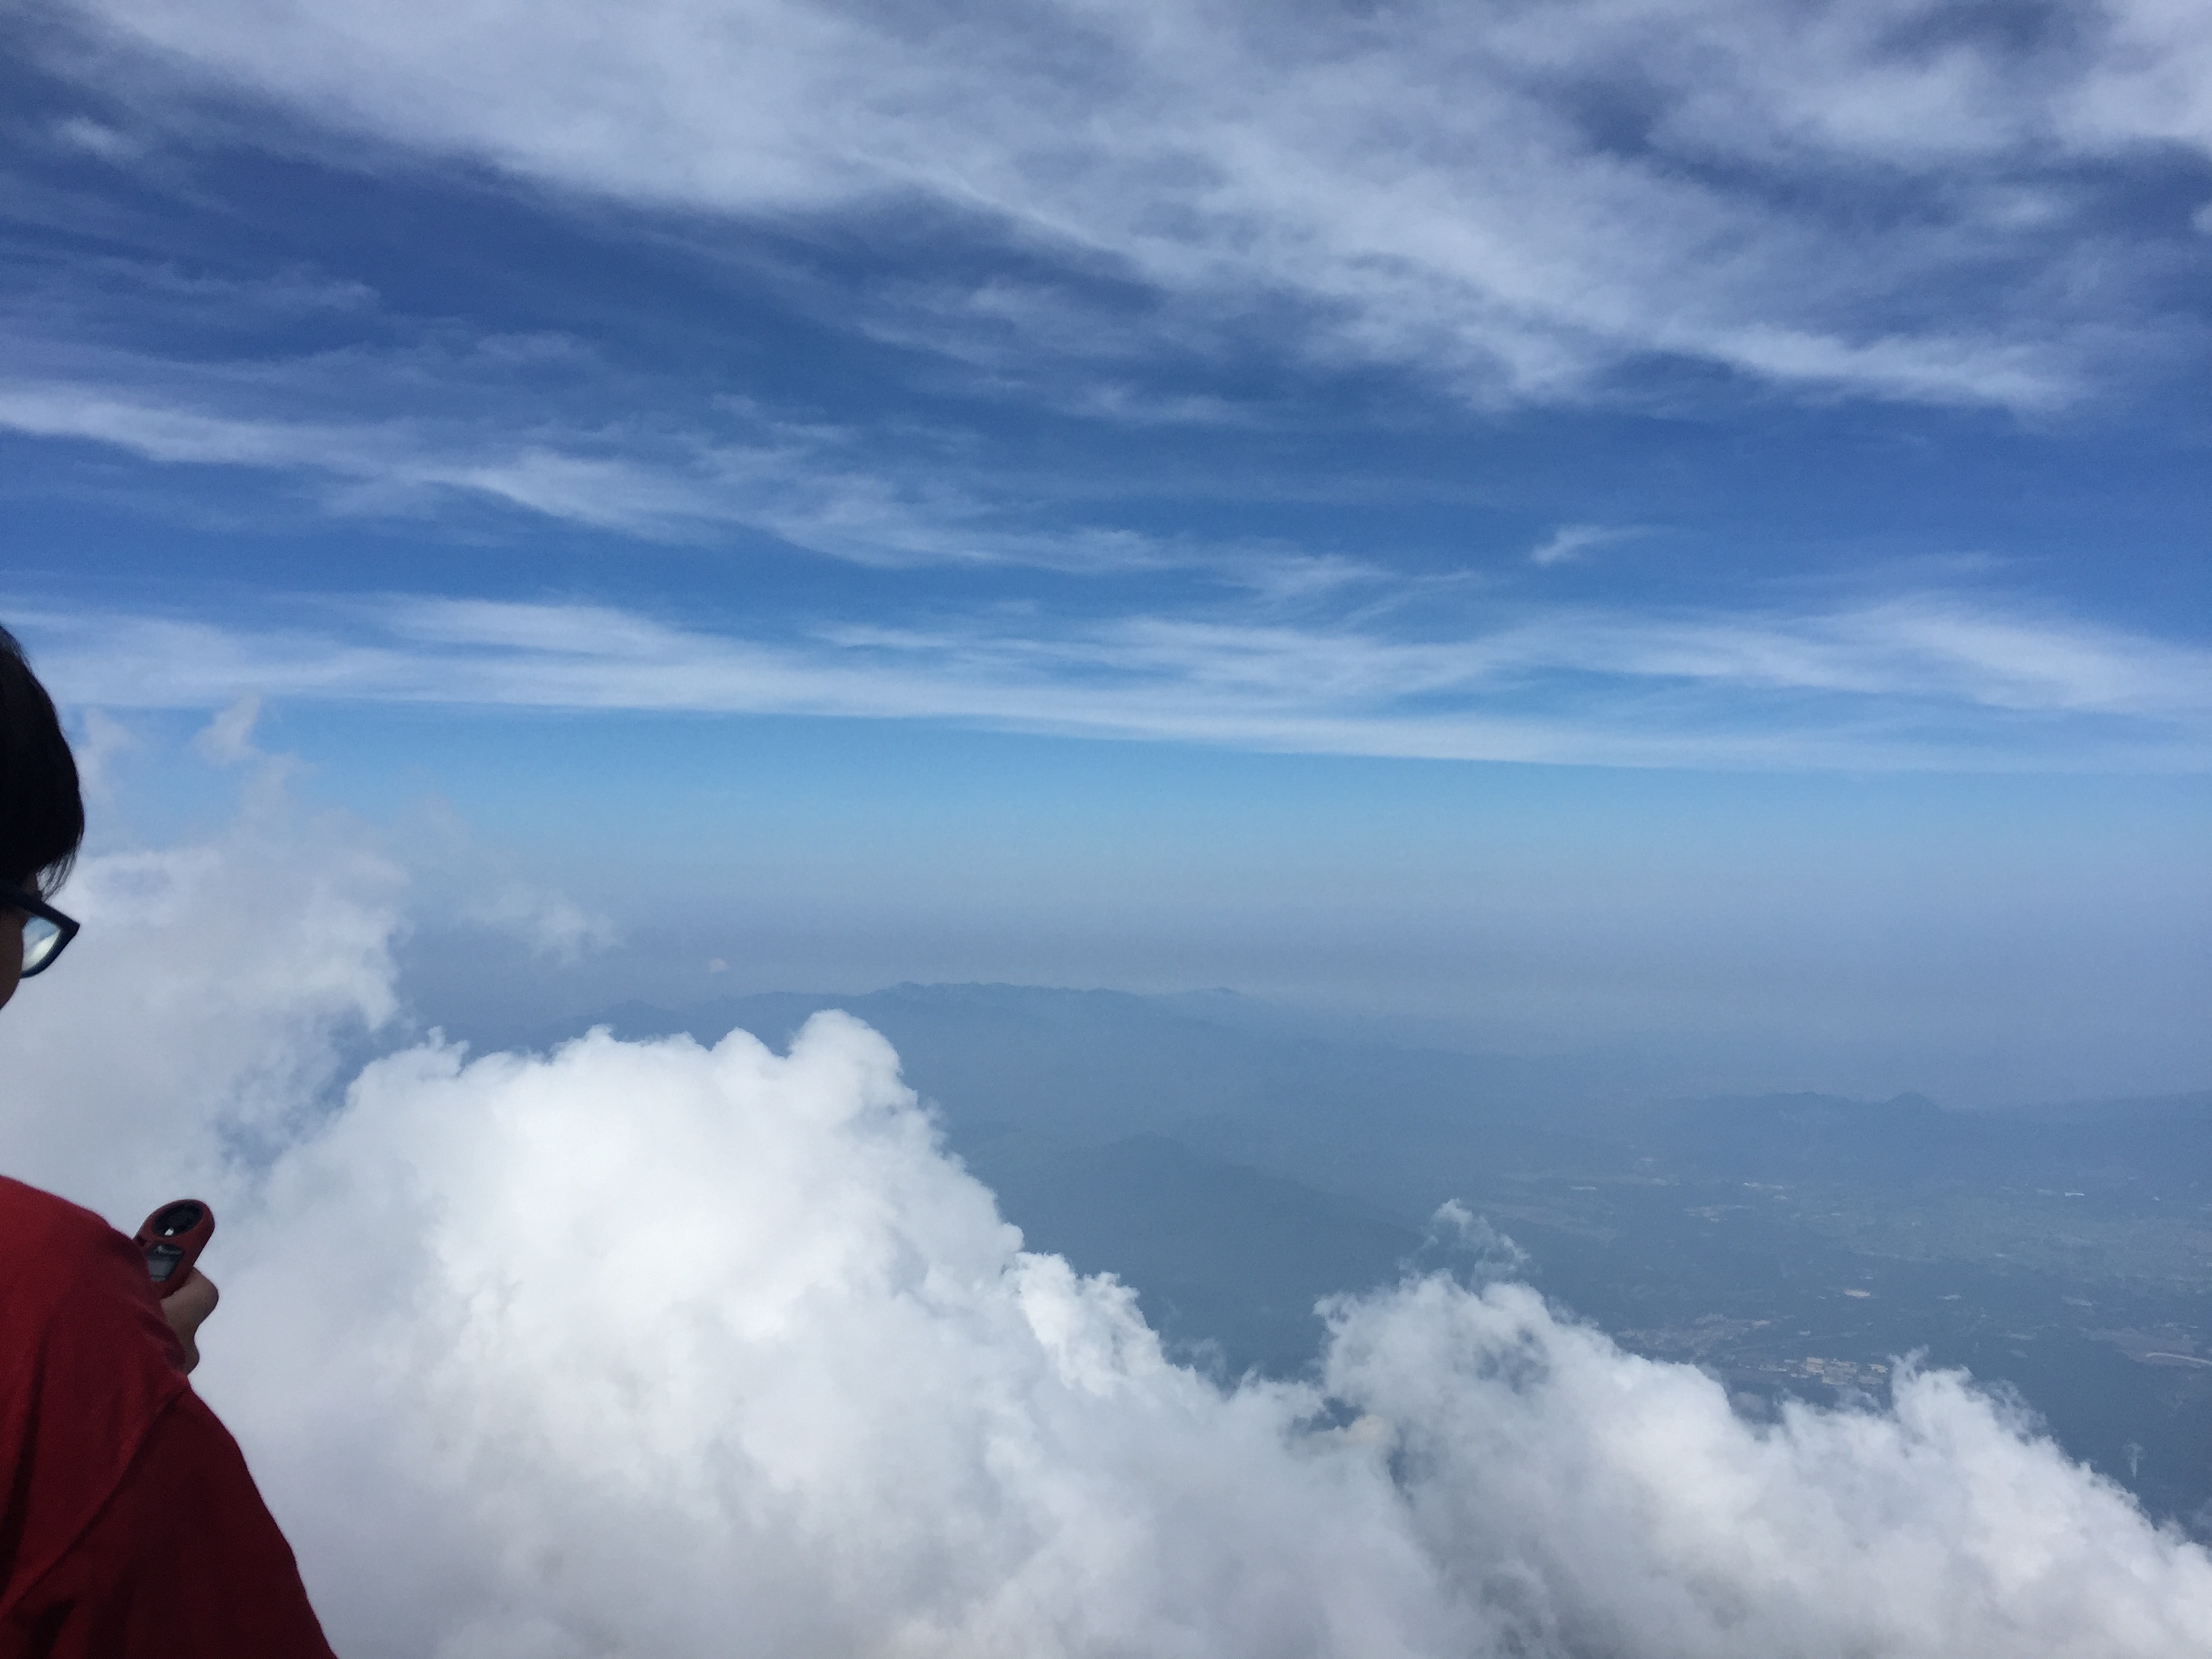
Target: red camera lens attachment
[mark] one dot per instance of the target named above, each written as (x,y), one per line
(172,1239)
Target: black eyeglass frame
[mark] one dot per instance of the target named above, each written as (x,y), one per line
(15,898)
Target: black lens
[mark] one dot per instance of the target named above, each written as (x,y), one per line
(177,1218)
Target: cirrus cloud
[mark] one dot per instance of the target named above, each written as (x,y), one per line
(1524,199)
(1916,681)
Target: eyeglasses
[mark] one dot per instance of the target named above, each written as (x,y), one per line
(46,931)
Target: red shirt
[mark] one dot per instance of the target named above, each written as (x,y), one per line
(129,1525)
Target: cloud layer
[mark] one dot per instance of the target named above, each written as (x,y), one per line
(1162,296)
(656,1350)
(799,486)
(1931,679)
(1524,199)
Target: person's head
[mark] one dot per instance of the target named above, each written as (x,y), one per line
(41,806)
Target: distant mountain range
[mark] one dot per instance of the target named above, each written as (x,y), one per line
(1245,1084)
(1235,1165)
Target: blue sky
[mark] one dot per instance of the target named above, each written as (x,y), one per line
(1297,497)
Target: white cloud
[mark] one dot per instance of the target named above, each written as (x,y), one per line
(552,925)
(99,740)
(779,480)
(1918,680)
(227,739)
(1570,542)
(648,1349)
(467,886)
(203,1007)
(104,141)
(1932,645)
(1519,198)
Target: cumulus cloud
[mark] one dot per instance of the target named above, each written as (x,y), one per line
(660,1350)
(1885,199)
(207,1004)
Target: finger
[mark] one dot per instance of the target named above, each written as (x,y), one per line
(186,1308)
(191,1303)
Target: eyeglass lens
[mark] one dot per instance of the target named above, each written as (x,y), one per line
(41,938)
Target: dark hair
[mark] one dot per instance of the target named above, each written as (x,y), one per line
(41,808)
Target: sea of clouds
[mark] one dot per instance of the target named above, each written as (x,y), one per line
(651,1349)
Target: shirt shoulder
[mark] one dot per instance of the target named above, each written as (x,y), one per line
(65,1274)
(184,1562)
(88,1365)
(33,1220)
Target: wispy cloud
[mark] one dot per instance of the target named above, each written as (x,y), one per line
(1524,201)
(1570,542)
(801,484)
(1913,681)
(1519,199)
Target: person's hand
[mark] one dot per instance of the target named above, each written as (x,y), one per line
(187,1308)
